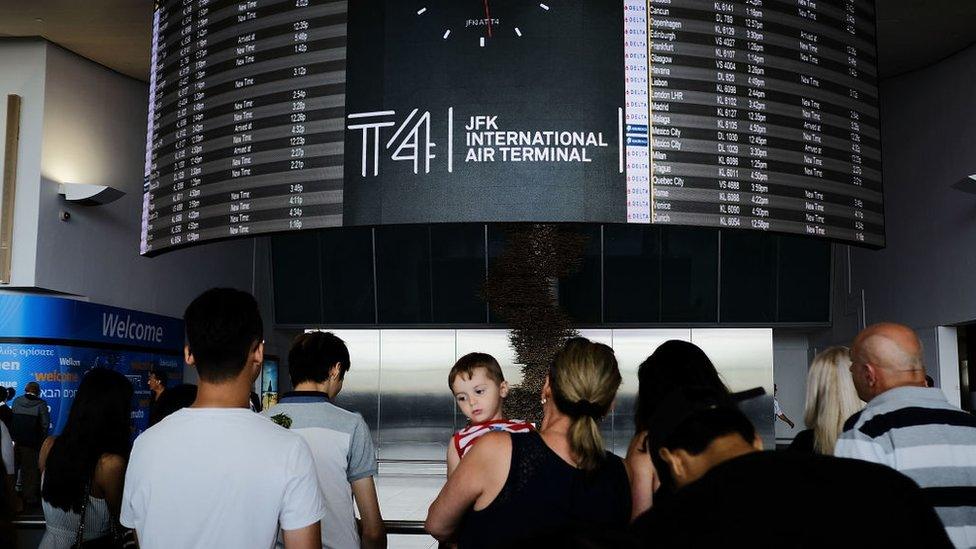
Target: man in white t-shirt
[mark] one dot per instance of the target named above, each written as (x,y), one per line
(217,474)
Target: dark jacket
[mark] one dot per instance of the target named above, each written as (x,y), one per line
(30,422)
(6,414)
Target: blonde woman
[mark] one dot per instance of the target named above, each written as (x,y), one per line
(831,399)
(540,488)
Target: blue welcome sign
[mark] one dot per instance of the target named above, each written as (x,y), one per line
(42,317)
(54,341)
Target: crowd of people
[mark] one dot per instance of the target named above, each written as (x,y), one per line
(210,472)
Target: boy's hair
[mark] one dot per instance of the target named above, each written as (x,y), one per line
(223,326)
(468,363)
(313,355)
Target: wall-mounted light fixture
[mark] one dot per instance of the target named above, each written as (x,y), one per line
(89,195)
(966,184)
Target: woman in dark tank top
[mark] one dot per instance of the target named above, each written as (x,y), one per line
(525,489)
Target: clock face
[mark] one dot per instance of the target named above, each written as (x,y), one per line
(482,22)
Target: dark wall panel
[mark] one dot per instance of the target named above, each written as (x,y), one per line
(458,273)
(804,280)
(632,273)
(748,277)
(579,293)
(347,276)
(417,274)
(403,274)
(689,275)
(296,274)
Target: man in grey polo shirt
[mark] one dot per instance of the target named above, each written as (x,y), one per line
(342,447)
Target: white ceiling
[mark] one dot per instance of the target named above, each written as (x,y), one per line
(116,33)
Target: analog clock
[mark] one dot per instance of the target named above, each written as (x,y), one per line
(480,21)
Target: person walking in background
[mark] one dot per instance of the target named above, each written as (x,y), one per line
(10,499)
(514,489)
(7,455)
(731,494)
(341,444)
(30,422)
(217,474)
(672,365)
(6,414)
(84,466)
(831,399)
(157,385)
(912,428)
(778,410)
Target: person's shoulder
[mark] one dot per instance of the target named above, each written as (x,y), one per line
(869,477)
(852,421)
(343,413)
(498,438)
(802,442)
(614,459)
(260,421)
(492,442)
(320,414)
(272,411)
(665,523)
(111,464)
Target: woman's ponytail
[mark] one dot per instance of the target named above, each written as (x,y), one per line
(584,381)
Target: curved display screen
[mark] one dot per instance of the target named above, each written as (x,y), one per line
(272,115)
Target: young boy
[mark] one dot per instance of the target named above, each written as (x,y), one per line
(479,388)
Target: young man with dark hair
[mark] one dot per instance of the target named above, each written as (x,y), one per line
(340,441)
(731,494)
(216,474)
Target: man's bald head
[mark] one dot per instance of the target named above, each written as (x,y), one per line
(885,356)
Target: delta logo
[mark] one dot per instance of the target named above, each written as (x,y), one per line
(56,376)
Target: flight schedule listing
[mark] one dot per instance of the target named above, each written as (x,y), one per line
(246,119)
(740,114)
(754,114)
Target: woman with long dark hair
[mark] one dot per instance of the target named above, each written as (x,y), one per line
(674,364)
(84,467)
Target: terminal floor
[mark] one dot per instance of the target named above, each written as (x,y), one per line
(405,491)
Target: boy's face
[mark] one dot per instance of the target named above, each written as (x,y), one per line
(479,397)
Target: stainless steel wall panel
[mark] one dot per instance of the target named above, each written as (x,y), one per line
(416,410)
(398,380)
(361,386)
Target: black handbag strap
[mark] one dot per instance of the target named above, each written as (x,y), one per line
(80,532)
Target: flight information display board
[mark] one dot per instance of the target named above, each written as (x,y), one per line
(277,115)
(246,119)
(759,114)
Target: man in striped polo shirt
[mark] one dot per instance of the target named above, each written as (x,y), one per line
(912,428)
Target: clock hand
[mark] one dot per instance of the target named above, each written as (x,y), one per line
(488,18)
